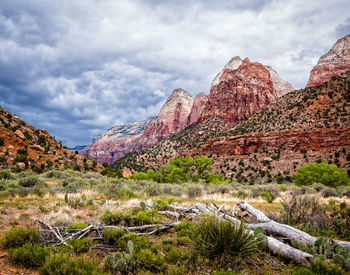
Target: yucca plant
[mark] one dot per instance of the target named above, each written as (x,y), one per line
(221,240)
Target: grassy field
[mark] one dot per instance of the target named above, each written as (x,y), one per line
(73,200)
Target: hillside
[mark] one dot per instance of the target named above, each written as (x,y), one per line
(301,127)
(23,146)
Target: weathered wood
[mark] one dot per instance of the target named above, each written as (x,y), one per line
(53,232)
(280,229)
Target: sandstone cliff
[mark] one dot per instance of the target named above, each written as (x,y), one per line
(335,62)
(198,105)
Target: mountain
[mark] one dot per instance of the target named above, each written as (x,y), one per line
(336,61)
(303,126)
(117,141)
(172,118)
(77,148)
(241,89)
(23,146)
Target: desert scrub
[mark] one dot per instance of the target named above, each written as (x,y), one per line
(113,236)
(149,260)
(30,181)
(131,217)
(193,190)
(6,175)
(18,236)
(29,255)
(221,240)
(62,263)
(80,245)
(269,197)
(184,229)
(76,227)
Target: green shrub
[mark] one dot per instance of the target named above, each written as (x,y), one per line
(29,255)
(122,262)
(40,189)
(219,239)
(329,175)
(18,236)
(60,263)
(76,227)
(30,181)
(113,235)
(269,197)
(151,261)
(6,175)
(80,245)
(184,229)
(329,192)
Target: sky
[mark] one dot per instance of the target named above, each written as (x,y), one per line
(79,67)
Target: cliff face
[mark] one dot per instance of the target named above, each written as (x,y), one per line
(172,118)
(198,105)
(239,92)
(117,141)
(333,63)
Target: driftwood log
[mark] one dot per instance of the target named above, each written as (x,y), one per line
(283,230)
(274,245)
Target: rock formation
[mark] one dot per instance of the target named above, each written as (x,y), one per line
(240,90)
(335,62)
(197,108)
(281,86)
(117,141)
(172,118)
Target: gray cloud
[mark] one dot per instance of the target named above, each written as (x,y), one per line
(78,67)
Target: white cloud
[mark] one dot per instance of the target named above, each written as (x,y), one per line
(92,63)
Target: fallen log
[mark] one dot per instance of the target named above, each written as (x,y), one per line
(273,244)
(280,229)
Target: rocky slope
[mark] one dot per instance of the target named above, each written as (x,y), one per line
(336,61)
(241,89)
(117,141)
(23,146)
(301,127)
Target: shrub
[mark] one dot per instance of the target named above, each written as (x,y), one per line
(150,260)
(61,263)
(122,262)
(113,235)
(221,240)
(18,236)
(328,192)
(40,189)
(80,245)
(194,191)
(269,197)
(29,181)
(76,227)
(329,175)
(29,255)
(6,175)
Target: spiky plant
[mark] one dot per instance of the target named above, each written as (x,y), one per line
(221,240)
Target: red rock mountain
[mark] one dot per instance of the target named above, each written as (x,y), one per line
(117,141)
(172,118)
(335,62)
(241,89)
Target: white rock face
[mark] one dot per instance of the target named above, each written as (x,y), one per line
(281,86)
(338,54)
(233,64)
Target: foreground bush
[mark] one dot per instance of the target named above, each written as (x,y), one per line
(18,236)
(219,239)
(329,175)
(65,264)
(29,255)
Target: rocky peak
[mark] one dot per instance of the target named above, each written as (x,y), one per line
(171,119)
(281,86)
(240,92)
(335,62)
(233,64)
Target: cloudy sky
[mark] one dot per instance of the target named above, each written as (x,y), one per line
(78,67)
